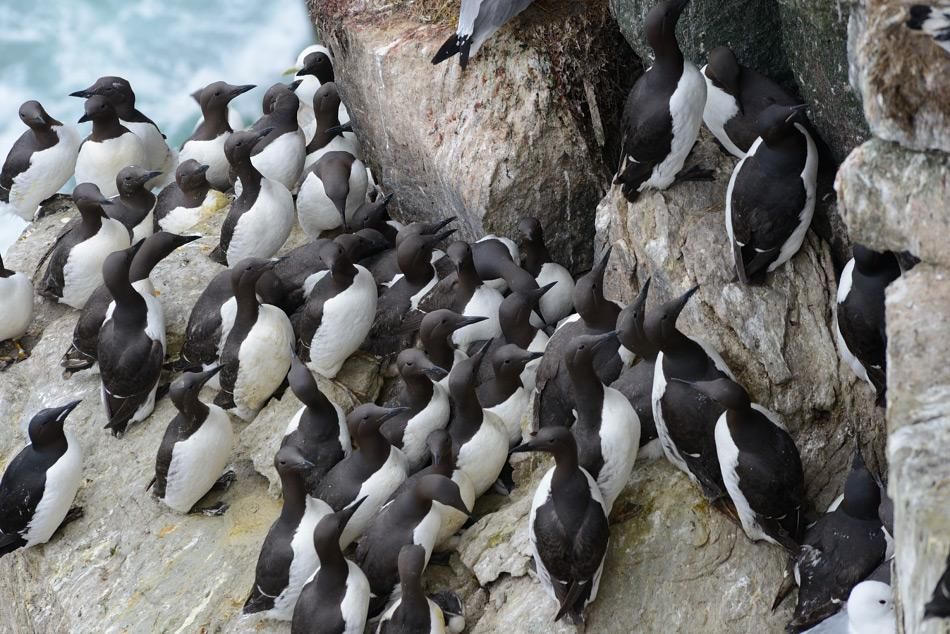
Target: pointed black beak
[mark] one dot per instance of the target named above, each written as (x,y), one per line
(64,410)
(435,373)
(468,321)
(295,84)
(347,513)
(393,413)
(83,94)
(240,90)
(606,337)
(432,240)
(601,267)
(524,447)
(680,303)
(203,168)
(84,119)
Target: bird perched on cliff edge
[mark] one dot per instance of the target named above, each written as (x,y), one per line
(478,21)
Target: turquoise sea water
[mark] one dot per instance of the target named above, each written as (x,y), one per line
(165,48)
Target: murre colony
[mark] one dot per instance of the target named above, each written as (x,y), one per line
(493,347)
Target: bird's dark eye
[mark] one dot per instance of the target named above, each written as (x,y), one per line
(881,601)
(507,361)
(409,364)
(217,93)
(581,347)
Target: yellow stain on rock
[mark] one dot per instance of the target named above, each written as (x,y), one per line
(167,530)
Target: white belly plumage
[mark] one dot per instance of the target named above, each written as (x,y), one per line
(485,302)
(16,306)
(305,561)
(355,603)
(99,162)
(530,372)
(435,415)
(82,273)
(181,219)
(48,171)
(316,211)
(199,461)
(347,320)
(719,109)
(484,455)
(346,142)
(62,483)
(619,440)
(558,302)
(453,519)
(510,412)
(282,159)
(263,361)
(210,153)
(436,618)
(158,156)
(844,288)
(376,489)
(263,229)
(686,108)
(728,454)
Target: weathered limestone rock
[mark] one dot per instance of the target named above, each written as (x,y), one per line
(529,129)
(918,391)
(904,78)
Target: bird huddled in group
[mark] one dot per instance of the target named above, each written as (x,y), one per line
(497,348)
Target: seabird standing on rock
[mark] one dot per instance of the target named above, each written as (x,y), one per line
(411,518)
(195,449)
(934,21)
(261,218)
(134,205)
(314,68)
(859,314)
(735,97)
(331,190)
(373,471)
(16,304)
(40,483)
(318,429)
(83,352)
(413,612)
(131,347)
(39,163)
(288,557)
(686,418)
(189,200)
(75,265)
(338,314)
(478,21)
(567,526)
(664,111)
(336,598)
(109,148)
(279,154)
(158,156)
(427,402)
(330,135)
(257,351)
(206,143)
(760,465)
(839,550)
(558,303)
(771,196)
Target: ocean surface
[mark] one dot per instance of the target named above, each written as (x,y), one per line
(166,48)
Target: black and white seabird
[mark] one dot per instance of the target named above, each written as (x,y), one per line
(257,351)
(435,334)
(109,148)
(771,196)
(567,526)
(158,156)
(209,324)
(135,204)
(39,163)
(595,315)
(331,190)
(375,215)
(443,463)
(760,465)
(559,302)
(427,402)
(131,348)
(279,154)
(479,437)
(635,382)
(686,418)
(260,219)
(206,143)
(411,518)
(373,471)
(75,265)
(934,21)
(40,483)
(336,599)
(735,97)
(606,426)
(859,314)
(338,315)
(330,135)
(413,612)
(478,21)
(189,200)
(16,309)
(288,557)
(505,394)
(84,350)
(385,266)
(663,112)
(195,449)
(318,429)
(314,68)
(939,604)
(839,550)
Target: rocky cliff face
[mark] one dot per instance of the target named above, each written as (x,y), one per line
(531,128)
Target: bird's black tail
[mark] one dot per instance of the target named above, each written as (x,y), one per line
(455,45)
